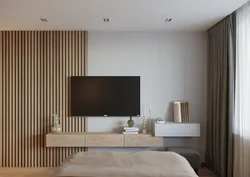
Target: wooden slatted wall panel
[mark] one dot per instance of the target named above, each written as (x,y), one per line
(36,70)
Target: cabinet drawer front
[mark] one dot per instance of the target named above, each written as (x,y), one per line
(104,140)
(65,140)
(143,141)
(177,130)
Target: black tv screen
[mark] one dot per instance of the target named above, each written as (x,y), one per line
(105,96)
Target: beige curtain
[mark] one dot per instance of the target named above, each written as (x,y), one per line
(220,99)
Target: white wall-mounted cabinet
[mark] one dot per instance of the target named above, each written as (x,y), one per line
(172,129)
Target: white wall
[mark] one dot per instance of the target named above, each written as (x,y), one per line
(172,66)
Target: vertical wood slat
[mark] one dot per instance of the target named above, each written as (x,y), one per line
(7,99)
(12,90)
(1,97)
(16,95)
(85,72)
(19,98)
(38,99)
(35,70)
(2,77)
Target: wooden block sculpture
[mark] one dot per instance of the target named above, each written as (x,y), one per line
(181,111)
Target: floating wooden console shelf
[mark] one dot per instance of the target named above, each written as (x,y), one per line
(70,139)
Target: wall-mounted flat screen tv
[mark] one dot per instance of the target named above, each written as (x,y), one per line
(105,96)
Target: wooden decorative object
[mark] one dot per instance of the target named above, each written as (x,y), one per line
(181,111)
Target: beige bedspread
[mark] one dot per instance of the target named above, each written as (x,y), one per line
(126,164)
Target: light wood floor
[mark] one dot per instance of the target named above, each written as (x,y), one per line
(48,172)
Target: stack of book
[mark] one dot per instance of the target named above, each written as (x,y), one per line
(130,130)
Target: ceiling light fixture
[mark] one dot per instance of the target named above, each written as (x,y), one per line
(106,19)
(43,19)
(168,20)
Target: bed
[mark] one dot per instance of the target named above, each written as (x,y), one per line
(126,164)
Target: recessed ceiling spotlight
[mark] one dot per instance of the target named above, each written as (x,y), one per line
(106,19)
(168,20)
(43,19)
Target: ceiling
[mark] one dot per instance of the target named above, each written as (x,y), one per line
(124,15)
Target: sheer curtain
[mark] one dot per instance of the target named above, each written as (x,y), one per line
(242,94)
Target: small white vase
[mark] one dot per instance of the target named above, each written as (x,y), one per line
(56,128)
